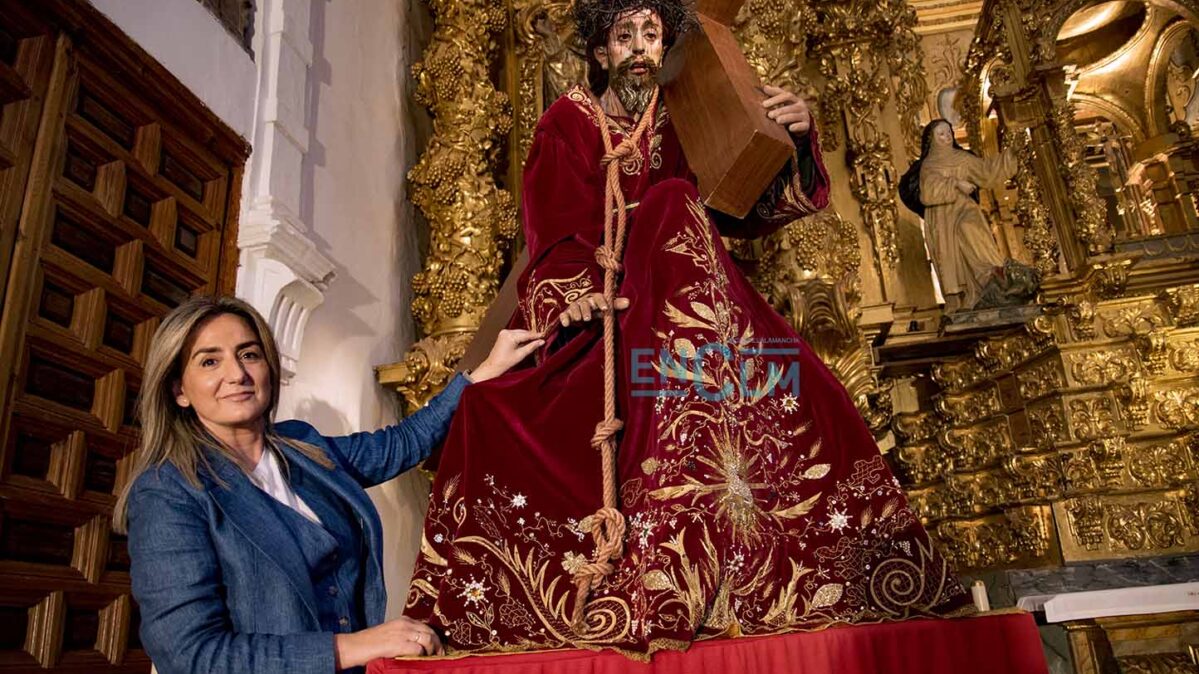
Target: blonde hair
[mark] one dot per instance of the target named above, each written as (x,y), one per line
(174,434)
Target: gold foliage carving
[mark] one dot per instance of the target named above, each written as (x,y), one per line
(1183,304)
(1157,663)
(969,407)
(867,53)
(1031,209)
(1081,181)
(1102,367)
(470,218)
(1018,536)
(774,36)
(977,447)
(1129,321)
(1107,526)
(1184,356)
(427,368)
(1177,408)
(1041,378)
(1093,417)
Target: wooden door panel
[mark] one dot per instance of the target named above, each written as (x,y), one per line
(118,196)
(26,52)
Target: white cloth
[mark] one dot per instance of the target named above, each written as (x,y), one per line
(268,477)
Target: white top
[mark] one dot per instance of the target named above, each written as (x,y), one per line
(268,477)
(1117,602)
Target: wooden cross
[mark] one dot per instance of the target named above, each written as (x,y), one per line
(715,102)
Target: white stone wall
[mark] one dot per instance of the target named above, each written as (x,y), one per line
(193,45)
(353,186)
(327,236)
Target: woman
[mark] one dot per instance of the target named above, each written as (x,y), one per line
(940,187)
(254,546)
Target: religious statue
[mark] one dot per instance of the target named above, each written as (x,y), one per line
(749,496)
(942,187)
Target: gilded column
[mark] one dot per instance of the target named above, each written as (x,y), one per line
(857,89)
(470,218)
(1015,53)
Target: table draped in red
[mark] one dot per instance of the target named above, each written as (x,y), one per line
(756,499)
(996,643)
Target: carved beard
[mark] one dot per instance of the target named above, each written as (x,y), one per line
(634,90)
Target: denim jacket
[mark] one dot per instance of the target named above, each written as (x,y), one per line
(221,583)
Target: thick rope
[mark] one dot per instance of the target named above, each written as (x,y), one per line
(607,525)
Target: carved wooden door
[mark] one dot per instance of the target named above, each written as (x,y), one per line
(117,201)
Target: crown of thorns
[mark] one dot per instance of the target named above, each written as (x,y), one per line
(594,18)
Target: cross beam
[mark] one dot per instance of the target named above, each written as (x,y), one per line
(715,101)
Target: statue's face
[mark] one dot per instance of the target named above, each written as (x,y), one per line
(634,42)
(631,56)
(943,135)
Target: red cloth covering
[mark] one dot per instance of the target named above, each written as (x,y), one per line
(757,500)
(989,644)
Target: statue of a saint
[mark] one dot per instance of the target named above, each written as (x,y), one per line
(942,187)
(755,497)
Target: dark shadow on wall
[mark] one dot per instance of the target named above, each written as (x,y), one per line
(320,74)
(327,419)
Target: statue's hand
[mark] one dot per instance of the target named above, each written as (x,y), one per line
(966,187)
(788,110)
(583,308)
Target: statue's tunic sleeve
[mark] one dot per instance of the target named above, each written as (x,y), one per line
(993,172)
(801,188)
(562,214)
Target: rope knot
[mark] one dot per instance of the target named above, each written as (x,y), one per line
(607,527)
(604,431)
(618,153)
(607,258)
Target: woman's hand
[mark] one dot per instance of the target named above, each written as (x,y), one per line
(402,636)
(788,110)
(965,187)
(510,348)
(583,308)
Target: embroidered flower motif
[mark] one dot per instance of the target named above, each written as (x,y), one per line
(575,527)
(838,520)
(520,521)
(827,595)
(438,538)
(519,501)
(790,403)
(572,562)
(475,592)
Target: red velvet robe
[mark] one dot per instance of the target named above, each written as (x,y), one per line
(756,499)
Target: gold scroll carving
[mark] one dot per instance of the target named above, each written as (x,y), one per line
(1090,411)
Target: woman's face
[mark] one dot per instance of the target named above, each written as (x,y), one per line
(226,378)
(943,135)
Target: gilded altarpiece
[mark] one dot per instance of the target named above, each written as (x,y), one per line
(1069,438)
(1066,437)
(856,63)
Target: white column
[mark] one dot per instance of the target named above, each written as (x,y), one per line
(282,273)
